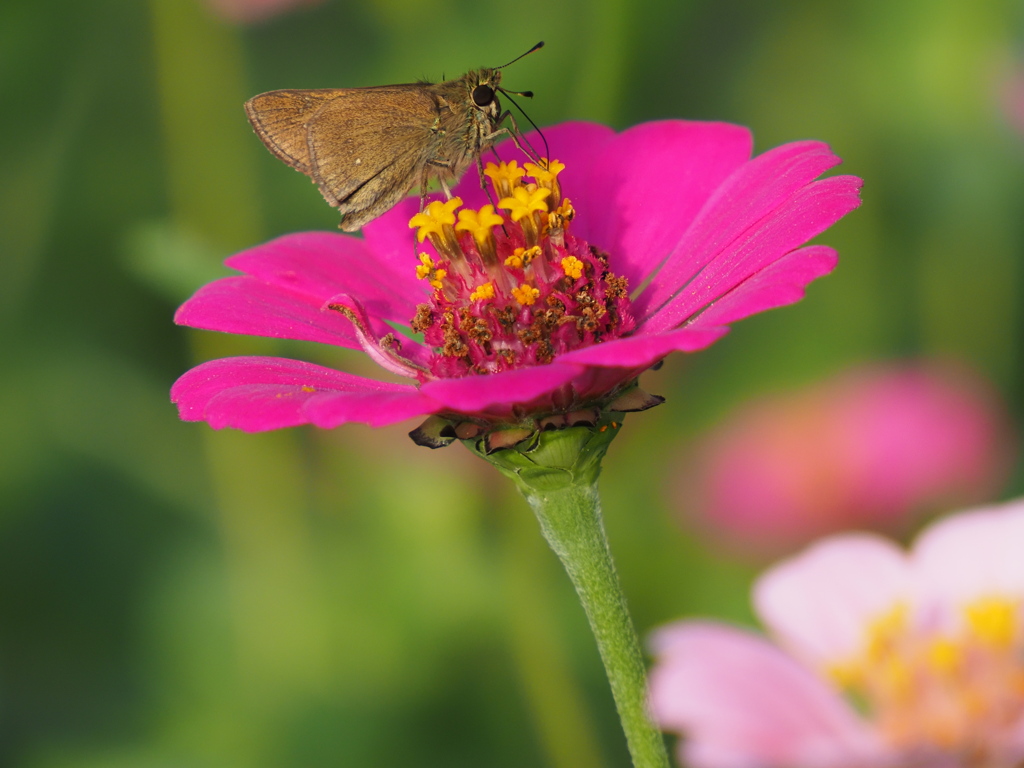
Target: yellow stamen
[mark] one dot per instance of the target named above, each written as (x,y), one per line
(560,217)
(525,294)
(483,292)
(428,270)
(993,620)
(896,679)
(521,257)
(951,691)
(944,656)
(426,266)
(845,676)
(885,630)
(504,176)
(572,267)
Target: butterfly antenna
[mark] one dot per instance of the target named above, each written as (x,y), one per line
(537,47)
(547,149)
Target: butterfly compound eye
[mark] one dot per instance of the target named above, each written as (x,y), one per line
(483,95)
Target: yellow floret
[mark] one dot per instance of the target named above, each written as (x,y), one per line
(504,176)
(885,630)
(524,202)
(521,257)
(525,294)
(434,218)
(428,270)
(993,620)
(572,267)
(545,172)
(944,655)
(478,223)
(483,292)
(426,266)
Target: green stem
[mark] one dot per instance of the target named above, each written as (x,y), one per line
(557,472)
(570,519)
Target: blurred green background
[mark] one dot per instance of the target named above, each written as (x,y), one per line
(171,596)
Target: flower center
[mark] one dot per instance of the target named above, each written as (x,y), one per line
(515,288)
(957,692)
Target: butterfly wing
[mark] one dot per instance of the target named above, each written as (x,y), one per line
(279,119)
(369,148)
(365,148)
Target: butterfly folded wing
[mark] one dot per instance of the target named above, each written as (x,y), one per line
(280,118)
(364,164)
(365,148)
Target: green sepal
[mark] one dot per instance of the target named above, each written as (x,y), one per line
(435,432)
(550,460)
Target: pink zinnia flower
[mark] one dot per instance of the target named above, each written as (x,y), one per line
(871,448)
(1011,96)
(885,658)
(539,312)
(252,11)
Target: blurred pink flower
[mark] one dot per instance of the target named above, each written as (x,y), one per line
(1011,97)
(251,11)
(884,658)
(870,448)
(523,317)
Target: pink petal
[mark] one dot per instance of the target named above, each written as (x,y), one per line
(759,188)
(399,355)
(476,393)
(392,242)
(322,264)
(246,305)
(740,702)
(820,602)
(375,407)
(256,394)
(971,555)
(804,215)
(774,286)
(253,11)
(654,180)
(644,350)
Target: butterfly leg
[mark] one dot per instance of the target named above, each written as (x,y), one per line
(483,181)
(515,134)
(489,192)
(443,165)
(424,180)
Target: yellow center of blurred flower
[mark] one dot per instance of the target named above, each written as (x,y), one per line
(953,690)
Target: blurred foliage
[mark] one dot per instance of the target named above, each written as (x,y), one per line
(174,596)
